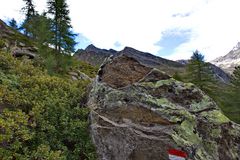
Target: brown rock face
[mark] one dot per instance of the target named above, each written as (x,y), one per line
(139,113)
(123,71)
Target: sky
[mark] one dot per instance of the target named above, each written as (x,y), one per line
(172,29)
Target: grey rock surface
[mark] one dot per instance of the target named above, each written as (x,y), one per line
(139,113)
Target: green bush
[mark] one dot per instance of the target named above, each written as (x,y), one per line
(2,44)
(53,122)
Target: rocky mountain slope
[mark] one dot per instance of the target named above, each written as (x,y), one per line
(16,43)
(93,55)
(229,61)
(141,113)
(96,56)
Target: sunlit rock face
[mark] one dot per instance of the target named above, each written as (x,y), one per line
(139,113)
(230,60)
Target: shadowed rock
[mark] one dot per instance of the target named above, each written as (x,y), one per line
(139,113)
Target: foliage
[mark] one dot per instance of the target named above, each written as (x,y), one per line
(63,38)
(236,77)
(226,96)
(38,27)
(52,120)
(13,24)
(199,72)
(29,10)
(2,44)
(177,76)
(15,134)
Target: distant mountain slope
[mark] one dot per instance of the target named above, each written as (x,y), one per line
(229,61)
(219,74)
(96,56)
(93,55)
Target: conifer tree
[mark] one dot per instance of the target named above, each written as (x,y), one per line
(13,23)
(40,29)
(199,72)
(236,77)
(29,10)
(63,38)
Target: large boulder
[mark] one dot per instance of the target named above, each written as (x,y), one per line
(140,113)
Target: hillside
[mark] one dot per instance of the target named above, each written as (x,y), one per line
(16,43)
(230,60)
(43,114)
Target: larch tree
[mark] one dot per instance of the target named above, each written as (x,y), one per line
(63,38)
(199,72)
(29,10)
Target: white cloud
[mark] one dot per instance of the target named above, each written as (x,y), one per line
(139,23)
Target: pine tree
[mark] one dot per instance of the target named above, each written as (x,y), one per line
(63,38)
(199,72)
(30,12)
(29,9)
(13,23)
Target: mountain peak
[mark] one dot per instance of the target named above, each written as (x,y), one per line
(230,60)
(127,49)
(237,47)
(91,47)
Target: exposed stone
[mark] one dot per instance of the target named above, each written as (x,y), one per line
(78,75)
(123,71)
(139,113)
(16,43)
(23,52)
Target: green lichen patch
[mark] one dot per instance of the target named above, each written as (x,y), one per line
(185,134)
(215,116)
(158,83)
(205,103)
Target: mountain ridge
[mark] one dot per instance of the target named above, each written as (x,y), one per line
(229,61)
(96,56)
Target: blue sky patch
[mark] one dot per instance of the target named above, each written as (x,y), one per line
(82,41)
(117,44)
(171,39)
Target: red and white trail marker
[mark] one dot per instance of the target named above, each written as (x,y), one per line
(175,154)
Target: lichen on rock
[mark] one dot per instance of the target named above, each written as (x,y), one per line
(139,113)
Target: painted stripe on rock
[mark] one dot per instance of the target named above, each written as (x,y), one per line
(173,157)
(177,153)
